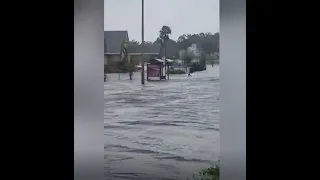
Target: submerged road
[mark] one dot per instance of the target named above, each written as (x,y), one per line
(163,130)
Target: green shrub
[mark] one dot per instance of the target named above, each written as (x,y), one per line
(176,71)
(211,173)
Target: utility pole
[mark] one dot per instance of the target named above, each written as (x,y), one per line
(142,44)
(164,56)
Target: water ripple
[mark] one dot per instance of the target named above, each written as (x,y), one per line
(163,130)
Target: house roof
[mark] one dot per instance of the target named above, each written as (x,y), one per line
(155,61)
(113,40)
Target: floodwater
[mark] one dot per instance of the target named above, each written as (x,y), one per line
(162,130)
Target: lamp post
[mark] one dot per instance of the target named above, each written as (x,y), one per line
(142,44)
(164,56)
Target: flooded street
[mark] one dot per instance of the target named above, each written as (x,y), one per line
(163,130)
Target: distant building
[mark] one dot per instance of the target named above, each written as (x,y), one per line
(112,48)
(194,50)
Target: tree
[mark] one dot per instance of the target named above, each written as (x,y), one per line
(164,33)
(183,42)
(148,42)
(203,59)
(172,48)
(157,41)
(124,59)
(134,42)
(207,42)
(186,56)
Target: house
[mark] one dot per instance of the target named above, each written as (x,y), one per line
(112,45)
(112,48)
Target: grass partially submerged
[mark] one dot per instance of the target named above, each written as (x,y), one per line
(211,173)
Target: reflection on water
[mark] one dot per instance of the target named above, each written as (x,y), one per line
(163,130)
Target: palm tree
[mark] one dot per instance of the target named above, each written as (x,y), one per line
(164,36)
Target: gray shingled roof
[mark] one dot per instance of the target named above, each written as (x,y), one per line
(113,40)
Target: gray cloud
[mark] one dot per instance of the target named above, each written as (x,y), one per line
(183,16)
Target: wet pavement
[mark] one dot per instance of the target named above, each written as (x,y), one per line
(162,130)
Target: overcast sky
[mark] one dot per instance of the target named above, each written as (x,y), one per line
(183,16)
